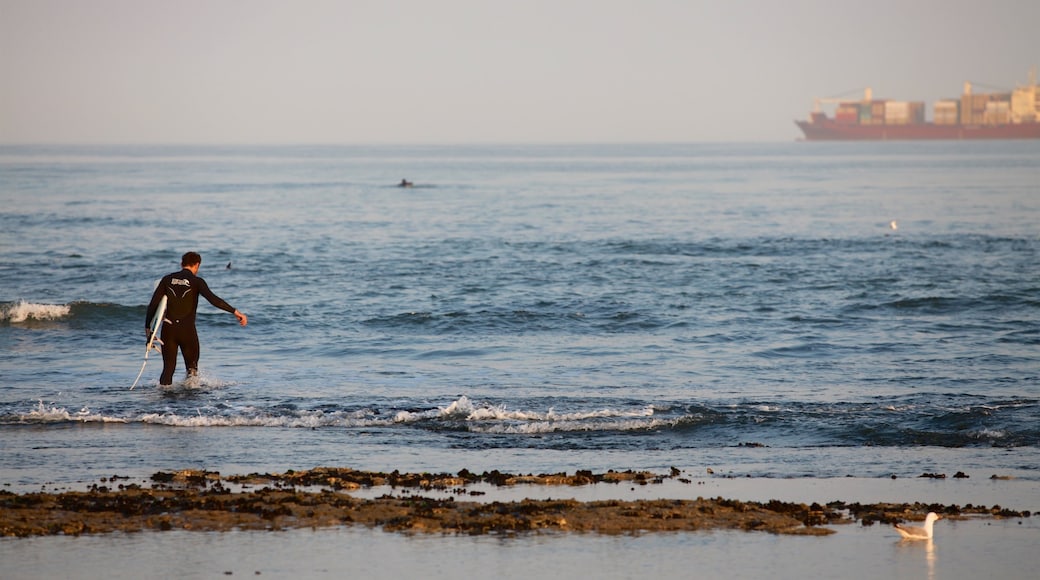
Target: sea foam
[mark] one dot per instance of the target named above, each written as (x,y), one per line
(23,311)
(44,414)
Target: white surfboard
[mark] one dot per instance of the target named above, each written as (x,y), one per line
(153,340)
(156,326)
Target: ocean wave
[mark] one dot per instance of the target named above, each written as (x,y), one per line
(465,410)
(481,419)
(543,427)
(541,318)
(939,304)
(22,311)
(304,420)
(784,246)
(45,414)
(927,420)
(989,434)
(51,414)
(79,313)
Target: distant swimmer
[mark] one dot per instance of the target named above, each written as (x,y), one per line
(404,183)
(228,267)
(182,290)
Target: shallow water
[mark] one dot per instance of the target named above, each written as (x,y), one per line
(961,549)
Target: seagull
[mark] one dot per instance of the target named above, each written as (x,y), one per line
(892,224)
(919,533)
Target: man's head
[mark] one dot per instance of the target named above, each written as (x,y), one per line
(191,259)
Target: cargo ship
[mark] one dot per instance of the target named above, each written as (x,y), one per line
(1004,115)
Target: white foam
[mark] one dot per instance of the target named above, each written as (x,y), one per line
(464,409)
(23,311)
(43,414)
(483,419)
(497,419)
(986,434)
(540,427)
(252,418)
(197,383)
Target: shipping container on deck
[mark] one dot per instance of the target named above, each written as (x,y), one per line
(997,113)
(966,118)
(877,110)
(947,112)
(847,113)
(897,113)
(865,118)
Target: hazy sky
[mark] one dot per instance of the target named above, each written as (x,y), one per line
(454,71)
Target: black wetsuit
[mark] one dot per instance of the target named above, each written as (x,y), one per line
(182,290)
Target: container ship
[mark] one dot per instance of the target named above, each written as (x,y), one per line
(1003,115)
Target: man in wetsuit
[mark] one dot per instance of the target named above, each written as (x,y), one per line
(182,290)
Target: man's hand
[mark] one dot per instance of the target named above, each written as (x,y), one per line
(241,318)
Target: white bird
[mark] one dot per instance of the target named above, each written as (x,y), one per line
(919,532)
(892,224)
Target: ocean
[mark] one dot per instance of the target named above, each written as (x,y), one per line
(769,311)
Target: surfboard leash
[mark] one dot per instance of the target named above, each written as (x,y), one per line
(155,341)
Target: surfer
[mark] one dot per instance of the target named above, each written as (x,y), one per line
(404,183)
(182,290)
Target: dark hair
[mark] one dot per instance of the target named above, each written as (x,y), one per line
(190,259)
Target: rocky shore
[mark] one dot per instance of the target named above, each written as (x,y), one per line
(320,497)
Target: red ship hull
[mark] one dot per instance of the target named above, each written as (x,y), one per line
(829,130)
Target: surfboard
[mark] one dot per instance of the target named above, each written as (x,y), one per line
(156,326)
(153,340)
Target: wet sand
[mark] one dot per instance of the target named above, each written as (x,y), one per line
(322,498)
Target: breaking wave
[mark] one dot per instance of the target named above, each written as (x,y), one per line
(22,311)
(487,419)
(44,414)
(921,421)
